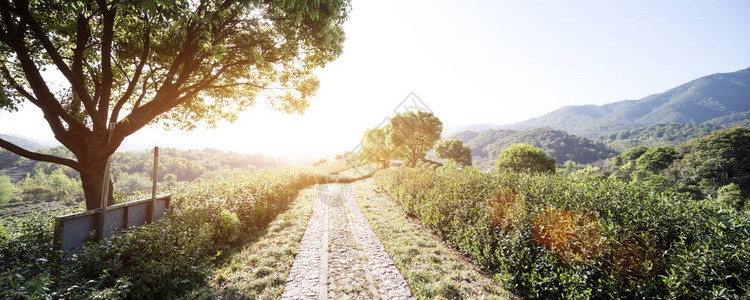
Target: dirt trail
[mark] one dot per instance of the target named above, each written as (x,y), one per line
(340,257)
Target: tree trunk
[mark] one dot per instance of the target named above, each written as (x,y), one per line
(92,177)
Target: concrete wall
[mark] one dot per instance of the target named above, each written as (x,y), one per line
(74,230)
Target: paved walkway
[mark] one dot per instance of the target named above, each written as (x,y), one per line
(340,257)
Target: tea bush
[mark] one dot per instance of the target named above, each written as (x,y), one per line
(545,236)
(166,258)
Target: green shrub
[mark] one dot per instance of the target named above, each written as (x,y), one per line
(7,189)
(545,236)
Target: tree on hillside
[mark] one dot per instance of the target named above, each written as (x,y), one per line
(525,158)
(624,165)
(412,134)
(375,148)
(128,64)
(455,150)
(655,159)
(649,167)
(714,161)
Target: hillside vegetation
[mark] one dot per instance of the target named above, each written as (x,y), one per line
(657,135)
(702,167)
(183,165)
(545,236)
(487,144)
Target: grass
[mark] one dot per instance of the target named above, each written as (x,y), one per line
(260,269)
(431,268)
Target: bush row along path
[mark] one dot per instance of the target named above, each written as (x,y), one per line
(340,257)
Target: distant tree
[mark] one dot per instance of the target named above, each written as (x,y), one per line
(571,167)
(629,155)
(412,134)
(731,195)
(655,159)
(525,158)
(7,189)
(624,165)
(453,150)
(375,147)
(170,179)
(179,63)
(131,183)
(588,172)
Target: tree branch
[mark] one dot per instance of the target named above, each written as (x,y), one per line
(39,156)
(83,33)
(52,109)
(108,19)
(76,80)
(134,81)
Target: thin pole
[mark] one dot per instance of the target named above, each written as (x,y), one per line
(105,191)
(152,217)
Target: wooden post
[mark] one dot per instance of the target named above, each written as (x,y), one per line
(105,191)
(152,215)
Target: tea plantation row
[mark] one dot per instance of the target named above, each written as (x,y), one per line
(543,236)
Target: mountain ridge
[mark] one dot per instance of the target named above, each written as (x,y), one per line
(707,98)
(721,99)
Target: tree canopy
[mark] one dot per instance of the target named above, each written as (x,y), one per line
(178,63)
(525,158)
(714,161)
(455,150)
(375,148)
(412,134)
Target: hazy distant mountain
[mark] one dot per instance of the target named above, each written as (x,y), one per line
(28,143)
(721,99)
(447,131)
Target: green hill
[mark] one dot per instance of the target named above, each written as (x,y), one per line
(487,145)
(657,135)
(721,99)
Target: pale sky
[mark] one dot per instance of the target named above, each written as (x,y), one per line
(476,62)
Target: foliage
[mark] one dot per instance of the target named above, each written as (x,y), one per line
(546,237)
(454,150)
(412,134)
(128,64)
(7,189)
(53,187)
(655,159)
(588,172)
(431,268)
(184,165)
(165,258)
(657,135)
(133,183)
(375,147)
(713,161)
(558,144)
(525,158)
(731,195)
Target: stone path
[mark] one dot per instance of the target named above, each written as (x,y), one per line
(340,257)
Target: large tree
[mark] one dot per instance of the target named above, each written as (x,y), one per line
(411,134)
(87,64)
